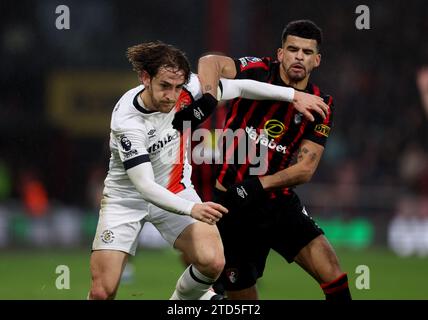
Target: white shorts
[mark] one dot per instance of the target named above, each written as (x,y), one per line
(119,225)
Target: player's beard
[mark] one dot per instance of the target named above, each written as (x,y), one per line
(165,106)
(296,76)
(161,105)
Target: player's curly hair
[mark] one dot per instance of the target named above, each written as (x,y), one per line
(304,29)
(151,56)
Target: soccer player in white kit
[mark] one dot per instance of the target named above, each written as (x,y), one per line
(149,174)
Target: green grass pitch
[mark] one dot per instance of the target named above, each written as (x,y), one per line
(31,275)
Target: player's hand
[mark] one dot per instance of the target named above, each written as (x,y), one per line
(244,194)
(196,113)
(208,212)
(307,103)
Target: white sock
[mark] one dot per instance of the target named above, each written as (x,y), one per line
(192,285)
(208,295)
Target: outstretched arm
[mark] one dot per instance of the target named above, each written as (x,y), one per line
(257,90)
(143,179)
(212,68)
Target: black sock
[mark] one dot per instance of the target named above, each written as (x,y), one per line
(219,288)
(338,289)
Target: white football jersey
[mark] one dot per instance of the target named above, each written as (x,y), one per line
(138,135)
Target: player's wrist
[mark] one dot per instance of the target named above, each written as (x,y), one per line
(209,98)
(190,208)
(265,182)
(245,194)
(297,95)
(196,113)
(214,90)
(255,184)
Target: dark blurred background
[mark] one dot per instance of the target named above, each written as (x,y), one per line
(58,88)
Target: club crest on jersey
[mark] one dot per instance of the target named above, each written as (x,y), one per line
(126,144)
(297,118)
(241,192)
(232,275)
(184,100)
(107,236)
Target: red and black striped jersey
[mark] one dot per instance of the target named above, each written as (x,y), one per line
(275,125)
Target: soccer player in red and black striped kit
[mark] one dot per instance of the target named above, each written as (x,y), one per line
(264,211)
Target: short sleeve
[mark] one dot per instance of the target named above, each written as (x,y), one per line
(252,68)
(319,130)
(194,86)
(132,147)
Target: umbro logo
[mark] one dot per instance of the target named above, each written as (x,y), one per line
(241,192)
(151,132)
(198,113)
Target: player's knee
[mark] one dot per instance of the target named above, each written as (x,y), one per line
(211,264)
(217,264)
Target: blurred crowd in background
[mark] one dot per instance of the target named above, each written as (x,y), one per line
(58,88)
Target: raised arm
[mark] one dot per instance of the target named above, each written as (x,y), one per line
(250,89)
(213,67)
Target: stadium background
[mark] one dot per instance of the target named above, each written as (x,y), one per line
(58,87)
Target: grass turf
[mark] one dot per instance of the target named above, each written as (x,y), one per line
(31,275)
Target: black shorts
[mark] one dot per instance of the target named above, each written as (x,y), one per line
(281,224)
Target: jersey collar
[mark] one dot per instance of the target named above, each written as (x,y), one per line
(138,106)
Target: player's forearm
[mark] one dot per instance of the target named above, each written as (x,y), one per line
(289,177)
(156,194)
(165,199)
(308,159)
(209,71)
(213,67)
(255,90)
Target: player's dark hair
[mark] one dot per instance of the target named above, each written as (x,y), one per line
(151,56)
(303,29)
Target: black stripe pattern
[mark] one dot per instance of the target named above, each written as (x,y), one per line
(128,164)
(296,127)
(192,274)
